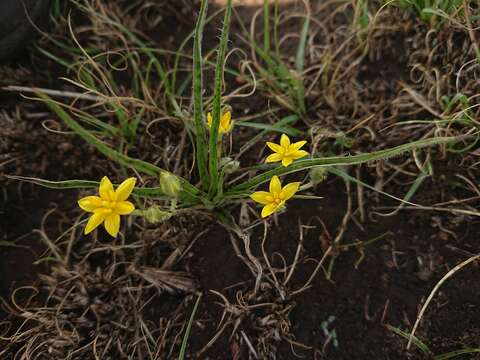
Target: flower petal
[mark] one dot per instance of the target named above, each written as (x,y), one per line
(125,189)
(273,158)
(209,119)
(95,220)
(106,188)
(285,141)
(90,203)
(297,145)
(112,224)
(287,160)
(226,121)
(268,210)
(299,154)
(261,197)
(289,190)
(124,208)
(275,147)
(275,185)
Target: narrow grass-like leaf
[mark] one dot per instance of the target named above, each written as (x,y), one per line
(347,177)
(217,102)
(125,160)
(455,353)
(147,192)
(266,25)
(418,343)
(201,148)
(300,64)
(183,349)
(279,124)
(139,165)
(269,127)
(337,160)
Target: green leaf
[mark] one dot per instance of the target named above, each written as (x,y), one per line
(336,161)
(269,127)
(139,165)
(154,192)
(217,98)
(183,349)
(201,147)
(456,353)
(299,65)
(422,346)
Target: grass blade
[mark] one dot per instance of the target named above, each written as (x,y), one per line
(183,349)
(139,165)
(217,99)
(269,127)
(337,160)
(418,343)
(201,147)
(456,353)
(300,64)
(148,192)
(266,26)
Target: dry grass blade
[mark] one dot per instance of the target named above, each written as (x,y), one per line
(434,291)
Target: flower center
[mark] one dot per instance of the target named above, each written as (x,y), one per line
(109,205)
(278,198)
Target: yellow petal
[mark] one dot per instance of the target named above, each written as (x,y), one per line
(268,210)
(226,121)
(209,119)
(289,190)
(262,197)
(299,154)
(90,203)
(284,141)
(273,158)
(297,145)
(125,189)
(225,129)
(124,208)
(222,129)
(95,220)
(287,160)
(275,185)
(112,224)
(106,188)
(275,147)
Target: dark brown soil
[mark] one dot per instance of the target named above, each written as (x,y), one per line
(372,285)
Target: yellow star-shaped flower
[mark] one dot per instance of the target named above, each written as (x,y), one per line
(108,206)
(226,123)
(286,152)
(275,198)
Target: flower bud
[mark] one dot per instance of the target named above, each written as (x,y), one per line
(229,166)
(170,184)
(318,175)
(155,215)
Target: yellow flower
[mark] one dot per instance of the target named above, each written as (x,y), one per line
(108,206)
(225,122)
(275,198)
(285,151)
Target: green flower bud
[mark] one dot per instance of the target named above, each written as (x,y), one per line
(155,215)
(318,175)
(229,166)
(170,184)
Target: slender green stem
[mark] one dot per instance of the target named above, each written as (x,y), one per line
(201,148)
(217,98)
(266,26)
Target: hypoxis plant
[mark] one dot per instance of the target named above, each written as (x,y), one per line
(210,191)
